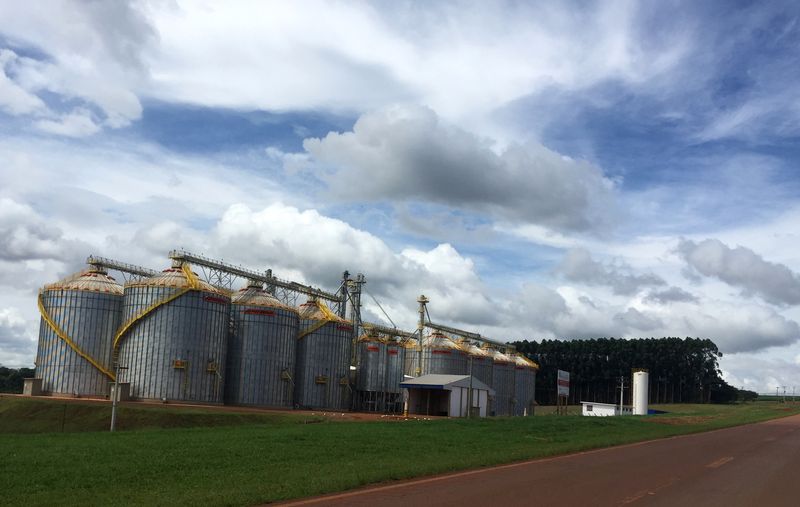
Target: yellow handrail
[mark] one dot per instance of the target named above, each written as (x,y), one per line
(61,334)
(127,326)
(194,284)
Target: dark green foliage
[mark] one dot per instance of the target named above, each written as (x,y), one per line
(11,379)
(681,370)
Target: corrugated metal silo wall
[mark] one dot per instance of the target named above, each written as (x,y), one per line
(394,367)
(503,385)
(261,356)
(444,361)
(90,319)
(524,389)
(410,361)
(482,369)
(371,367)
(323,366)
(193,329)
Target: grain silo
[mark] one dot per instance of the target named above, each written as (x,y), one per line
(79,317)
(524,385)
(502,382)
(481,362)
(371,360)
(395,357)
(261,349)
(174,338)
(322,370)
(441,355)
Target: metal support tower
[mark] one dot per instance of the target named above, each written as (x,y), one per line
(223,274)
(422,300)
(129,271)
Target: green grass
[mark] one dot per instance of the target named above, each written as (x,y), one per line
(255,462)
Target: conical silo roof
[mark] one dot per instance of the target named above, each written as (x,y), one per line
(497,356)
(253,294)
(175,277)
(90,280)
(474,350)
(437,340)
(315,309)
(523,361)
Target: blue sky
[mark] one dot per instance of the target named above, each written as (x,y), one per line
(538,170)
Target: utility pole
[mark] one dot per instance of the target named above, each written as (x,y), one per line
(784,394)
(469,397)
(621,392)
(776,393)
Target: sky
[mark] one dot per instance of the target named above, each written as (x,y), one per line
(538,170)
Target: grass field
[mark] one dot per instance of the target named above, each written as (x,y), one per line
(250,461)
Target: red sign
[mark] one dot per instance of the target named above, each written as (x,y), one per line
(251,311)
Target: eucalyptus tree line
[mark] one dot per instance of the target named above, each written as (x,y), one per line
(681,370)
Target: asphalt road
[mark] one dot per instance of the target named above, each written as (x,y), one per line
(757,464)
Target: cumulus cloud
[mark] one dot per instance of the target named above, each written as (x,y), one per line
(79,123)
(27,236)
(670,295)
(633,318)
(14,99)
(762,372)
(89,53)
(17,344)
(579,266)
(319,248)
(743,268)
(407,153)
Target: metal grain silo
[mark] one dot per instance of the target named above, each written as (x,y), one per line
(502,382)
(79,317)
(481,362)
(524,385)
(441,355)
(174,338)
(371,359)
(322,370)
(395,358)
(261,349)
(411,355)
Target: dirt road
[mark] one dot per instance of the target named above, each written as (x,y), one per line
(757,464)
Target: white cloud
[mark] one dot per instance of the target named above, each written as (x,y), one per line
(14,99)
(17,342)
(764,371)
(92,53)
(578,266)
(26,235)
(743,268)
(405,153)
(670,295)
(79,123)
(638,321)
(344,57)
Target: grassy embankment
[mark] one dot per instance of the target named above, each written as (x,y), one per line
(279,458)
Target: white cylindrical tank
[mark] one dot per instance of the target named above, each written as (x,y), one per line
(641,384)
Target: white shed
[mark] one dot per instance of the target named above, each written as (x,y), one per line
(591,408)
(446,395)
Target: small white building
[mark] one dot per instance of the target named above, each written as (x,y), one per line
(591,408)
(446,395)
